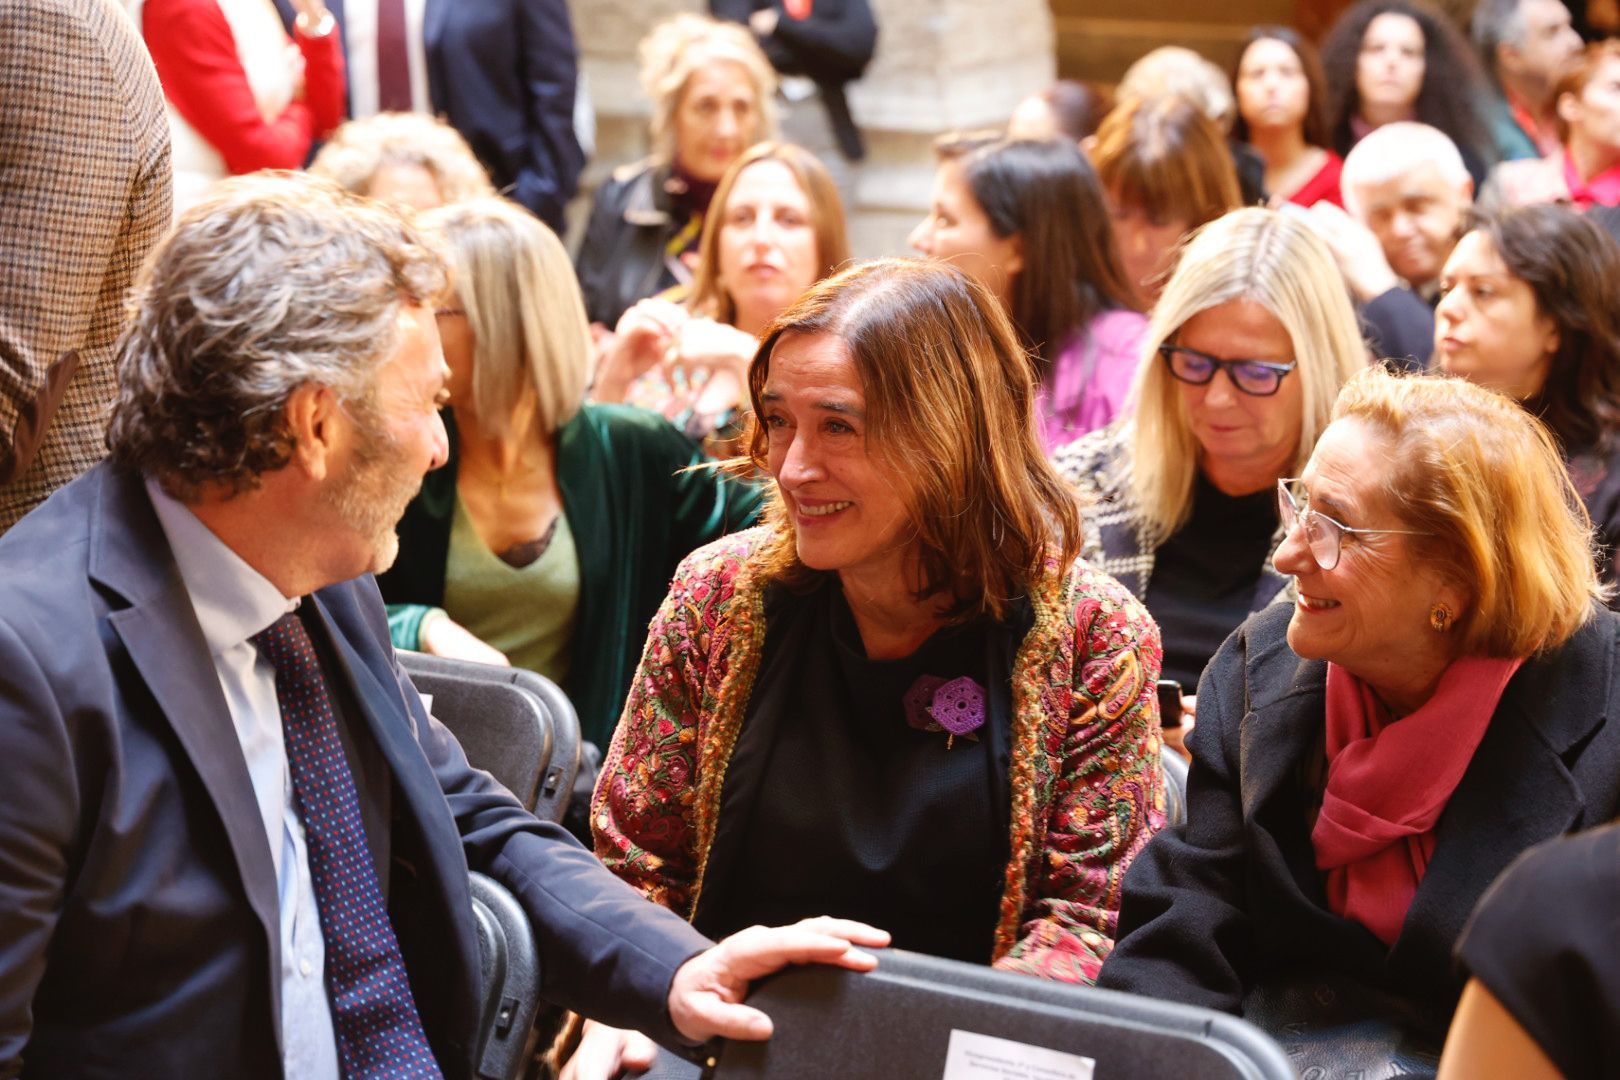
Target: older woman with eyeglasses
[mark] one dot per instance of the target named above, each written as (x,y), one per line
(1371,756)
(1252,339)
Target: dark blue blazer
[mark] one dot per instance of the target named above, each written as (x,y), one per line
(504,74)
(139,933)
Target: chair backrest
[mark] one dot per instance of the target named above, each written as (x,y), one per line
(514,724)
(510,980)
(1175,787)
(916,1014)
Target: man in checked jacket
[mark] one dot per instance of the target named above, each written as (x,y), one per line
(84,194)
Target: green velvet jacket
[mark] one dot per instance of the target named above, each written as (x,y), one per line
(634,513)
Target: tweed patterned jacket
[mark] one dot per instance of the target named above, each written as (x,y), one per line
(85,192)
(1116,537)
(1086,785)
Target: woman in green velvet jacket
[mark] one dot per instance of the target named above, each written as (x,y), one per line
(548,539)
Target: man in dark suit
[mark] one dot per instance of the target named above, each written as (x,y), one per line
(232,840)
(85,190)
(501,72)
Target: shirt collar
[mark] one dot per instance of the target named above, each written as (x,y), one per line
(233,601)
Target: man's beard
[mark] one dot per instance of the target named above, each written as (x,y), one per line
(372,496)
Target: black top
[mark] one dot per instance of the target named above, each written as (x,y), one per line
(1544,941)
(1205,575)
(1215,908)
(845,808)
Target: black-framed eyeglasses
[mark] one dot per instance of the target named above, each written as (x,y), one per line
(1257,378)
(1323,535)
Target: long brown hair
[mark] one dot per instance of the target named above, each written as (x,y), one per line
(949,404)
(1047,194)
(709,297)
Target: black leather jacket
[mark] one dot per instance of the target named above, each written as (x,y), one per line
(623,257)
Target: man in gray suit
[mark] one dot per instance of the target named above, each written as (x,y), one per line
(85,186)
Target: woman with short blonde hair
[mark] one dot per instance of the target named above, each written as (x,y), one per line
(1371,756)
(408,159)
(1246,351)
(550,534)
(712,91)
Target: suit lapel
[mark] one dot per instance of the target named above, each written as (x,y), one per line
(159,630)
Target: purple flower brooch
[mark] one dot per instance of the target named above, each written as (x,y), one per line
(954,706)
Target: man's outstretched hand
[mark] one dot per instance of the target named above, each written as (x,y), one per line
(705,999)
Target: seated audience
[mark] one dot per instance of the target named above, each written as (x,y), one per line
(1543,1000)
(233,840)
(1174,70)
(1166,170)
(1028,220)
(911,646)
(776,227)
(410,160)
(1068,109)
(1523,45)
(1401,60)
(1281,103)
(1406,191)
(1527,308)
(1370,757)
(1585,170)
(549,535)
(241,96)
(713,96)
(1251,340)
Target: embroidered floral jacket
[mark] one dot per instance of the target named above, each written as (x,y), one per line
(1086,784)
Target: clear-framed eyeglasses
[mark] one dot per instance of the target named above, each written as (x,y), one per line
(1323,535)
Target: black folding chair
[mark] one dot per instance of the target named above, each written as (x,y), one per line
(510,968)
(901,1021)
(515,725)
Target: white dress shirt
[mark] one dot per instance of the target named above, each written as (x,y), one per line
(233,602)
(360,50)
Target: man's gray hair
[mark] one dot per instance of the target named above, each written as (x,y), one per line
(274,281)
(1394,150)
(1496,22)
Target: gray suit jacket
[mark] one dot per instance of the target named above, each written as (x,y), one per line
(85,189)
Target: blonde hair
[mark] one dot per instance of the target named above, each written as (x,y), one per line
(709,296)
(1176,70)
(1276,261)
(950,398)
(531,341)
(359,149)
(686,43)
(1486,481)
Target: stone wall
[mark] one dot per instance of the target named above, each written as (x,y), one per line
(941,65)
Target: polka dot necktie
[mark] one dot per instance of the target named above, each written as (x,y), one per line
(379,1034)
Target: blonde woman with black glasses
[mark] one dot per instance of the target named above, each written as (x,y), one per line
(1250,343)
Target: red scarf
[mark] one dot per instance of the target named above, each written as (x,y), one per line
(1388,782)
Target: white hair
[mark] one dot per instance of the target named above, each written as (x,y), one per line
(1394,150)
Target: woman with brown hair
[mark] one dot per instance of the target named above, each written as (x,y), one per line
(1028,220)
(1167,170)
(776,227)
(1281,112)
(1526,307)
(912,640)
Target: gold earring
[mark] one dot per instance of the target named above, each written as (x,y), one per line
(1440,618)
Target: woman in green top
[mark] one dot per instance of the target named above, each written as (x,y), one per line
(550,536)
